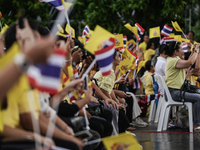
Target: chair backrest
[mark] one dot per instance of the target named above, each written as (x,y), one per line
(164,86)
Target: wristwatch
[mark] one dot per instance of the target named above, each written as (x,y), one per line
(21,62)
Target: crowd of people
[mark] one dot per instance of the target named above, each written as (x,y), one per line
(24,109)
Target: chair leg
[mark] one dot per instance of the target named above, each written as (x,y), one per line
(161,118)
(190,117)
(158,109)
(151,111)
(173,110)
(165,123)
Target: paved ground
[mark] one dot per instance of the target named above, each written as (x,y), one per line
(176,139)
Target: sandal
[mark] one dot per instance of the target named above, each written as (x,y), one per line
(130,129)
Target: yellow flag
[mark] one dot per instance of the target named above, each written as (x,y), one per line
(72,30)
(90,33)
(171,34)
(82,39)
(5,27)
(66,5)
(98,39)
(177,37)
(132,29)
(176,26)
(125,65)
(154,32)
(60,29)
(119,43)
(127,54)
(123,141)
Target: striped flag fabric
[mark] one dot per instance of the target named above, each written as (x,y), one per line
(185,47)
(137,83)
(149,98)
(168,40)
(87,40)
(124,40)
(124,75)
(46,77)
(56,3)
(140,31)
(104,57)
(166,30)
(86,30)
(130,46)
(162,41)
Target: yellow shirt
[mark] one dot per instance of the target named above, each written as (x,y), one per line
(174,77)
(143,45)
(107,82)
(148,54)
(148,83)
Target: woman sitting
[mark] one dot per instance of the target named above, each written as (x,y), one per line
(175,76)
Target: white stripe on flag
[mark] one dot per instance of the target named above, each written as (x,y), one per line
(56,60)
(106,54)
(44,81)
(106,68)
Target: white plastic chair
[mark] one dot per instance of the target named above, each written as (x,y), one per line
(158,110)
(164,116)
(152,111)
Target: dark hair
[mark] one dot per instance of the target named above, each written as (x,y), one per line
(172,47)
(148,65)
(10,35)
(149,44)
(192,33)
(43,31)
(116,50)
(163,48)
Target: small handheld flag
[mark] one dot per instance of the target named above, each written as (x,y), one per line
(140,31)
(148,98)
(185,47)
(137,83)
(119,44)
(154,32)
(104,57)
(124,41)
(46,77)
(176,26)
(86,30)
(166,30)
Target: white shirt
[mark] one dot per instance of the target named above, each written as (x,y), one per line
(160,69)
(160,66)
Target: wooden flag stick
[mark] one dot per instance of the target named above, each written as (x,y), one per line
(186,37)
(67,18)
(35,123)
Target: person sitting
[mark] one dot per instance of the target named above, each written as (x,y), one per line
(175,76)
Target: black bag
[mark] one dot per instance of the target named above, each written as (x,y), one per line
(187,87)
(95,108)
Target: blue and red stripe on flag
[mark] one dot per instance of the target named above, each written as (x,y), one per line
(46,77)
(166,30)
(104,57)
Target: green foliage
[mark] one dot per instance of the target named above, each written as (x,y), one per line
(196,30)
(32,9)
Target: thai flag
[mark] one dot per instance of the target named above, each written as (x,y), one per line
(162,41)
(130,46)
(46,77)
(56,3)
(168,40)
(137,83)
(104,57)
(86,30)
(149,98)
(134,55)
(185,47)
(124,40)
(140,31)
(166,30)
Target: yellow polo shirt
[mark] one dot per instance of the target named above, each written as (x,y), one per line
(107,82)
(148,54)
(174,77)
